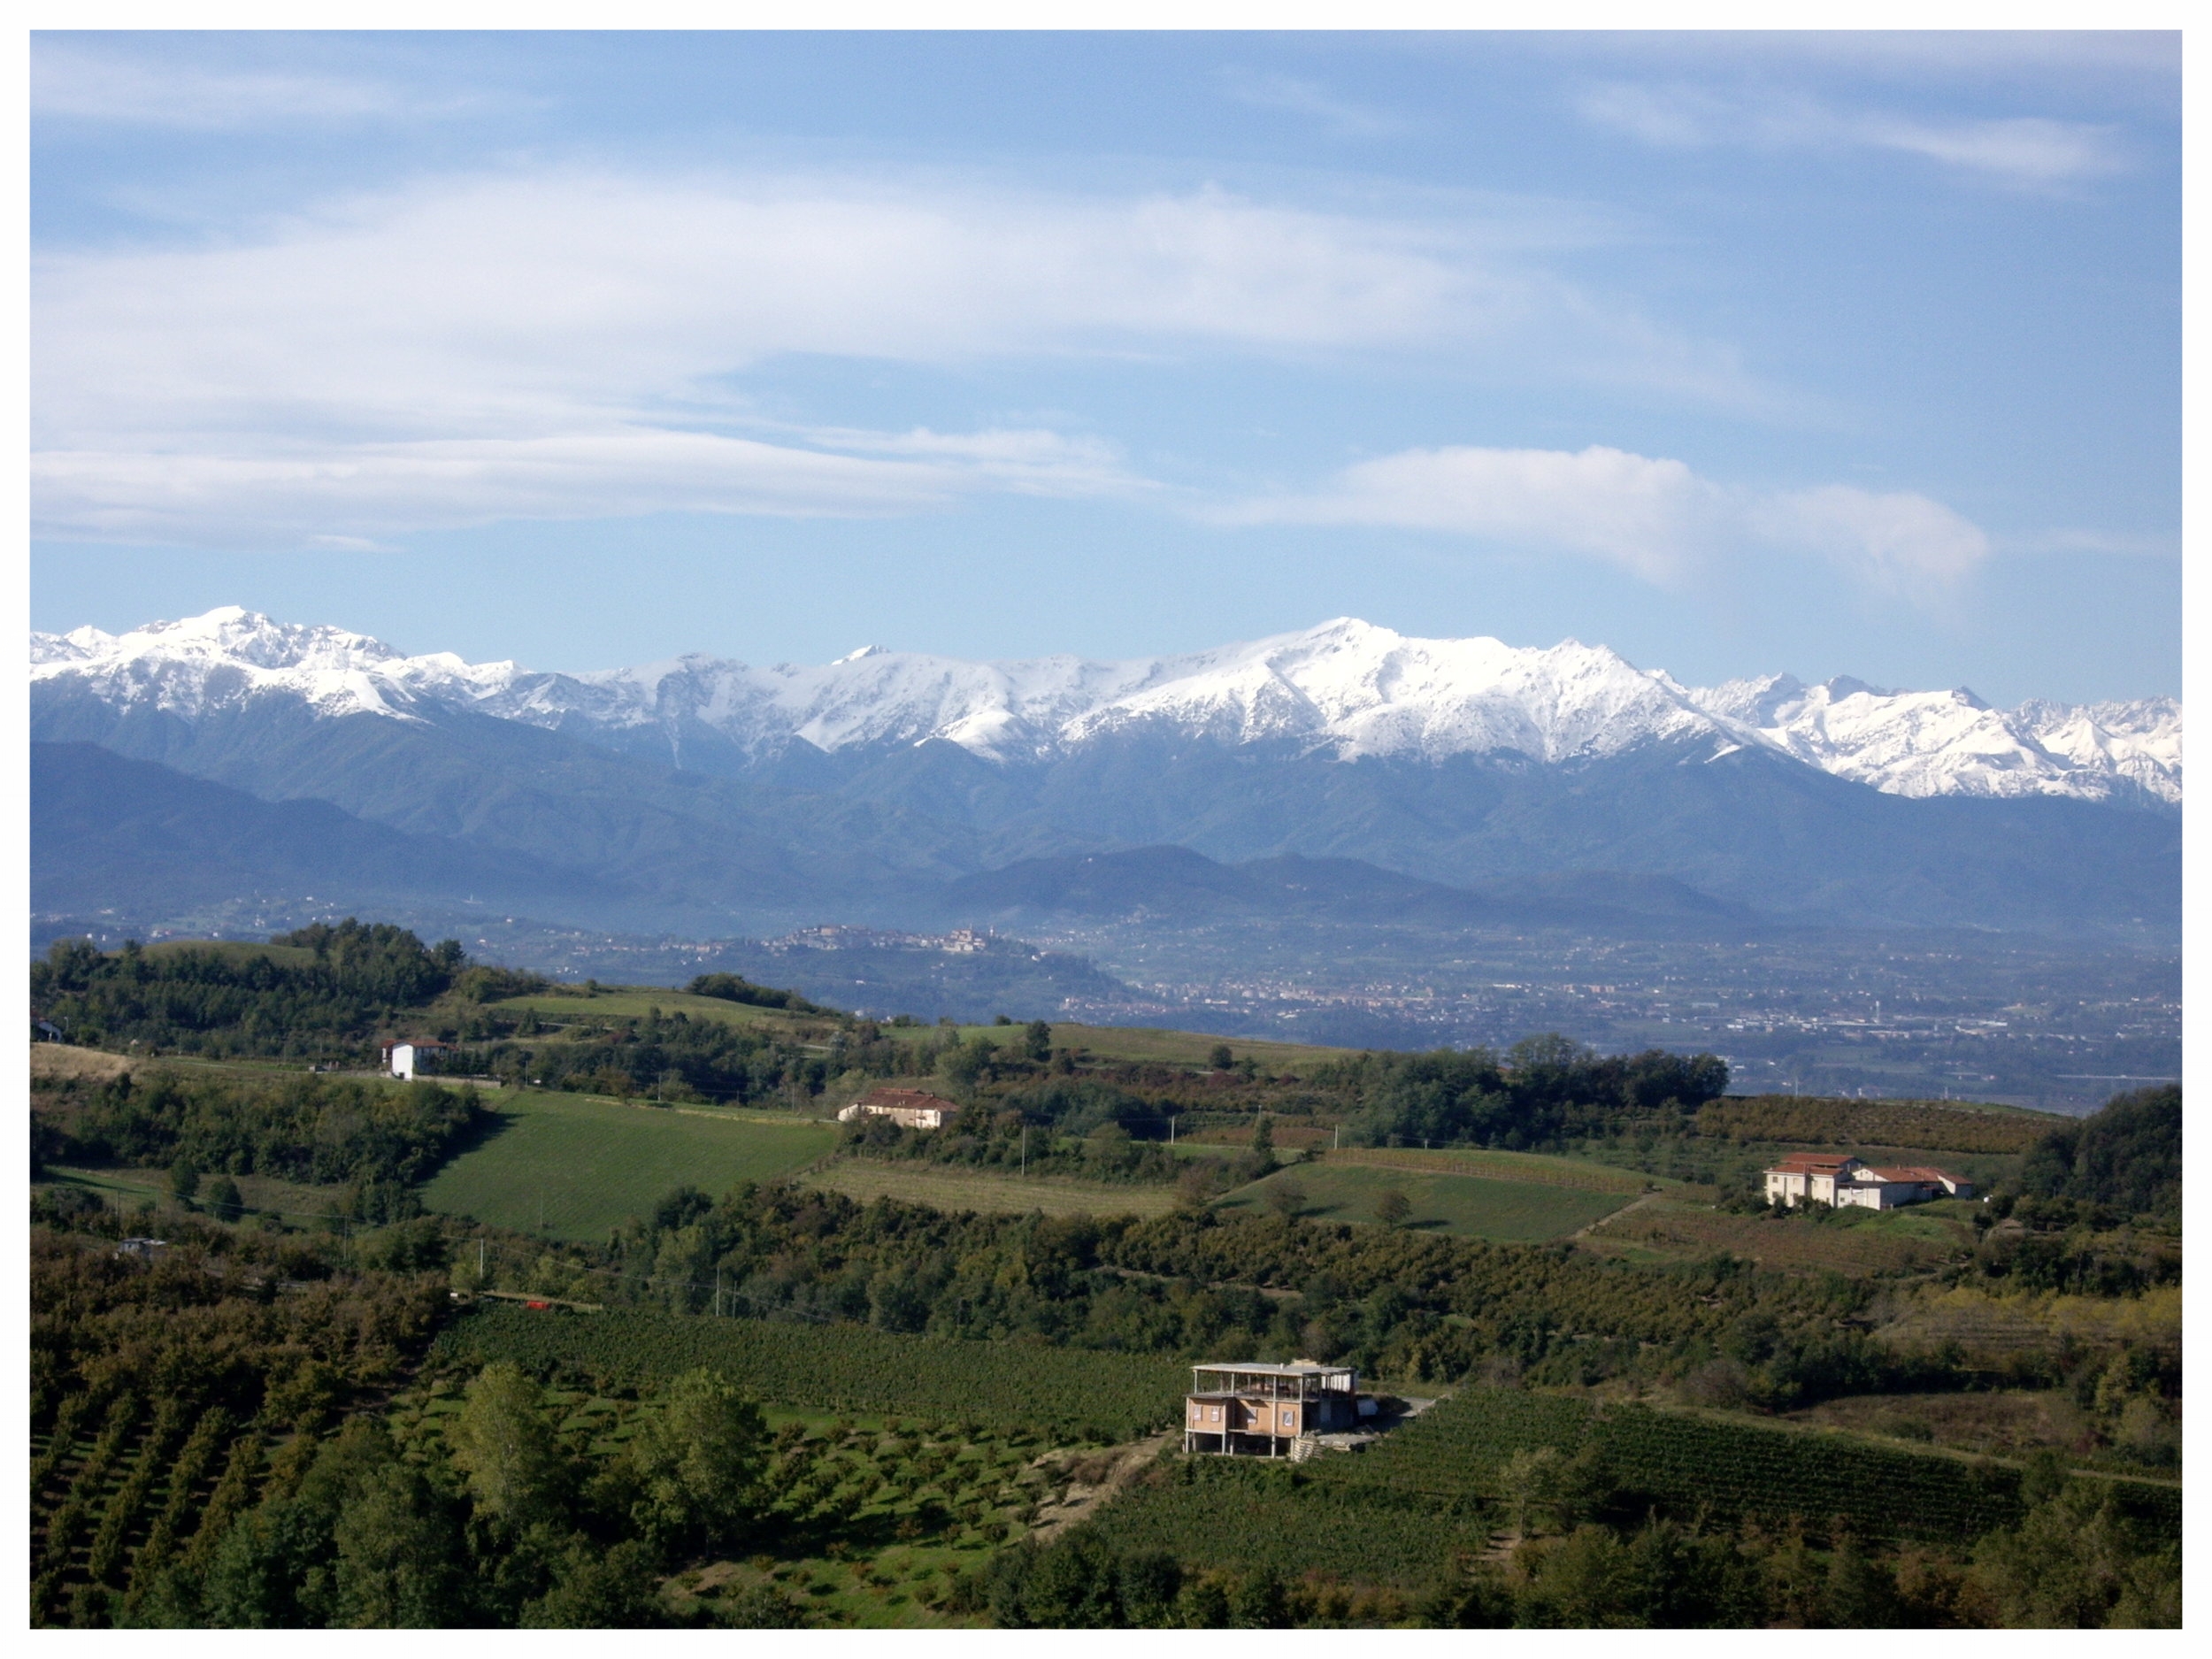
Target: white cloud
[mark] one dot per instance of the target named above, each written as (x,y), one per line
(1655,519)
(73,83)
(1899,543)
(1294,96)
(184,391)
(1650,517)
(351,494)
(2025,151)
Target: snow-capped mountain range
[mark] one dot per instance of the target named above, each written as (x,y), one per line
(1344,690)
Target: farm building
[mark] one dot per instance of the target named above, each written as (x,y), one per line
(402,1059)
(1255,1409)
(1823,1177)
(910,1107)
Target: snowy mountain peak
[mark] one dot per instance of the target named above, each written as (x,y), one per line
(1344,689)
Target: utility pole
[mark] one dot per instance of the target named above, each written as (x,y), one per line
(479,1264)
(1337,1140)
(1170,1129)
(718,1293)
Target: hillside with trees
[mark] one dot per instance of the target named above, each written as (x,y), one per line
(271,1419)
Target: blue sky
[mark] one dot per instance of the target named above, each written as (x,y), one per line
(1832,354)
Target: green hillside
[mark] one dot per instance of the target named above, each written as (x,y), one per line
(574,1166)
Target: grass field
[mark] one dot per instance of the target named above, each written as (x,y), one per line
(1889,1241)
(578,1165)
(943,1188)
(236,950)
(1475,1207)
(636,1001)
(62,1060)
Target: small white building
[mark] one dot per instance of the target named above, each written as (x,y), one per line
(1823,1178)
(400,1059)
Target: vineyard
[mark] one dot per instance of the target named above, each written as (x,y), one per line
(1505,1166)
(1251,1515)
(1928,1125)
(1691,1464)
(1091,1395)
(1433,1491)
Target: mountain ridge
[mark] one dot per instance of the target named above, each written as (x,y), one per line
(1345,690)
(1479,768)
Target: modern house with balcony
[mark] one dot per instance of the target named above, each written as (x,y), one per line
(1254,1409)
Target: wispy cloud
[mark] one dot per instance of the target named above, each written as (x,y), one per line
(74,83)
(358,493)
(442,339)
(2029,151)
(1339,116)
(1655,519)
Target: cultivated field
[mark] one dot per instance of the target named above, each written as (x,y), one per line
(577,1165)
(1448,1468)
(1504,1166)
(635,1002)
(1505,1212)
(1891,1241)
(2006,1422)
(955,1189)
(64,1060)
(1083,1394)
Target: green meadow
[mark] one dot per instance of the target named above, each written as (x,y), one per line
(1475,1207)
(636,1003)
(577,1165)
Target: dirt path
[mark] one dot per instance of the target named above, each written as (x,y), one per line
(1082,1499)
(1636,1203)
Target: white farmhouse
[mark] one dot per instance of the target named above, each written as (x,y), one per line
(400,1059)
(910,1108)
(1827,1178)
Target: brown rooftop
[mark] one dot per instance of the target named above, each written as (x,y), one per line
(1813,1163)
(912,1099)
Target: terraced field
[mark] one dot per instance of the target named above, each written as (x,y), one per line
(575,1166)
